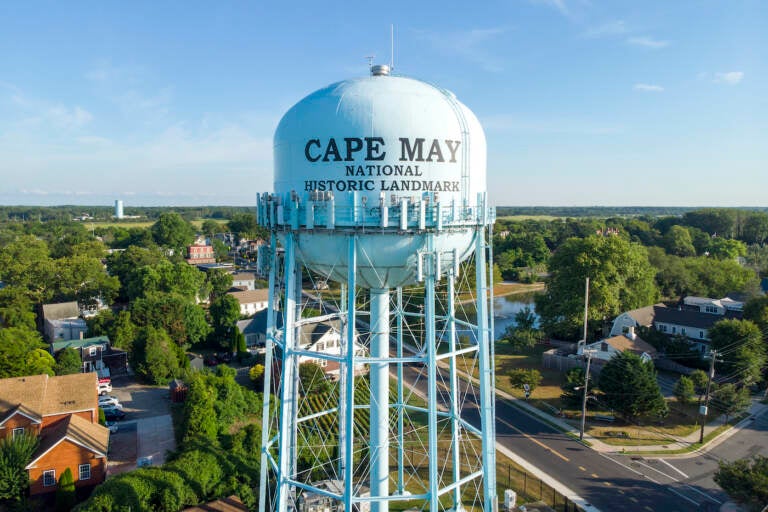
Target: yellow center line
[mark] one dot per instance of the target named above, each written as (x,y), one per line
(566,459)
(582,468)
(594,475)
(608,484)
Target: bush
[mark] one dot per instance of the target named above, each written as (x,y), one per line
(65,492)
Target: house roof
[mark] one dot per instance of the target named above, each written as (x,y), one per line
(251,296)
(690,318)
(623,343)
(243,276)
(41,395)
(83,343)
(644,316)
(61,310)
(229,504)
(73,428)
(258,323)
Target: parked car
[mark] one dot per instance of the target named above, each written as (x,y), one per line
(113,413)
(224,357)
(210,360)
(109,400)
(144,462)
(112,426)
(104,388)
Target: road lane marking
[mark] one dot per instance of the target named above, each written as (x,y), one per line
(633,499)
(594,475)
(582,468)
(673,467)
(656,470)
(609,484)
(620,491)
(631,469)
(704,494)
(566,459)
(648,508)
(683,496)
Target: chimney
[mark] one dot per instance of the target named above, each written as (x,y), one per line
(81,334)
(631,333)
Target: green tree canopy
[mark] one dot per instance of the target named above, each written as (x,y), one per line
(629,387)
(15,453)
(684,390)
(225,312)
(65,492)
(744,355)
(68,362)
(179,317)
(154,356)
(729,399)
(313,379)
(620,279)
(19,354)
(16,309)
(678,241)
(172,231)
(745,480)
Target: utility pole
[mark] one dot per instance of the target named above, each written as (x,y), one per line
(703,409)
(583,342)
(584,400)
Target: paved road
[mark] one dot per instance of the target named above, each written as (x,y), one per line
(608,483)
(693,475)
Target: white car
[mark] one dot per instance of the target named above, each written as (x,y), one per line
(104,388)
(109,400)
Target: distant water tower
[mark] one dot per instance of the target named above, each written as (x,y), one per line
(380,186)
(119,209)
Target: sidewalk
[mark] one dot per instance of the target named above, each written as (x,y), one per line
(680,443)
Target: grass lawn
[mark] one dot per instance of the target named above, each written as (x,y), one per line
(131,223)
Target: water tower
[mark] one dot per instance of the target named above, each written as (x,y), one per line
(380,189)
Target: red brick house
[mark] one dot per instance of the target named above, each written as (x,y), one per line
(200,252)
(63,413)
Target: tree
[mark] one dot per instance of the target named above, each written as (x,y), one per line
(256,374)
(746,356)
(225,312)
(723,248)
(244,224)
(15,453)
(756,310)
(713,221)
(756,228)
(199,413)
(745,480)
(154,356)
(519,377)
(629,386)
(699,380)
(65,492)
(684,390)
(18,348)
(68,361)
(210,227)
(730,400)
(220,281)
(523,333)
(240,347)
(678,241)
(25,263)
(16,309)
(312,377)
(574,378)
(180,317)
(172,231)
(621,279)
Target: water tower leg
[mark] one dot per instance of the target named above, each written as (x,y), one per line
(455,394)
(485,366)
(270,336)
(288,395)
(347,384)
(379,378)
(430,343)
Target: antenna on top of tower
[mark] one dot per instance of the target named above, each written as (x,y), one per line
(370,60)
(392,47)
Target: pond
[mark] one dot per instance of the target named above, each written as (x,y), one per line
(505,309)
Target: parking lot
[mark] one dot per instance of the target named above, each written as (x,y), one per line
(147,431)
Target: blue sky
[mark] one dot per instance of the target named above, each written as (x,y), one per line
(584,102)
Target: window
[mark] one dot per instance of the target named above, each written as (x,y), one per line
(92,351)
(701,335)
(18,432)
(682,331)
(49,478)
(604,347)
(674,329)
(85,471)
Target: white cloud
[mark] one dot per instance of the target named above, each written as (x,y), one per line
(469,44)
(648,88)
(647,42)
(611,28)
(69,117)
(730,77)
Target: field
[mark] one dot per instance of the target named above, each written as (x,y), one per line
(138,223)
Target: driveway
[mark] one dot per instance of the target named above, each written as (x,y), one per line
(147,431)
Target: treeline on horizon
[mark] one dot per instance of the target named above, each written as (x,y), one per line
(144,213)
(611,211)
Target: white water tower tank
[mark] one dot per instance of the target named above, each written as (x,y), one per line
(388,159)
